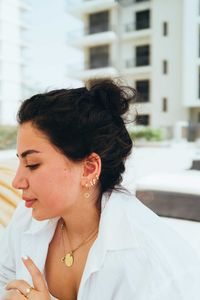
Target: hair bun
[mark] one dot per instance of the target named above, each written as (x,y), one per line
(112,97)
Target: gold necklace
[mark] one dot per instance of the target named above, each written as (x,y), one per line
(68,258)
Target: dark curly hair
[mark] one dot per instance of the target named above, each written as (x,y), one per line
(81,121)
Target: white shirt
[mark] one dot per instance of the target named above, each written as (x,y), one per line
(135,256)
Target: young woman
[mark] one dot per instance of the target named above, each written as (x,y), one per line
(78,234)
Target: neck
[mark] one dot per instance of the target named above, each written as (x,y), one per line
(82,219)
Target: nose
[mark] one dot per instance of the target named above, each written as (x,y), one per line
(20,181)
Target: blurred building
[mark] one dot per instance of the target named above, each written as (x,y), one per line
(12,45)
(153,45)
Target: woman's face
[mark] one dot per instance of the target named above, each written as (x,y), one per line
(50,182)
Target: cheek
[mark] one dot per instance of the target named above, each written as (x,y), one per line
(47,177)
(56,187)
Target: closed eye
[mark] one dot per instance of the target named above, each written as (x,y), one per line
(32,167)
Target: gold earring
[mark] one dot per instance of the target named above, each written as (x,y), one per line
(87,194)
(93,181)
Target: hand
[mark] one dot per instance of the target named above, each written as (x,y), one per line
(21,290)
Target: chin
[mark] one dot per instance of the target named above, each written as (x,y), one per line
(40,217)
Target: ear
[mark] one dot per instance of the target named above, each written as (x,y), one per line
(91,168)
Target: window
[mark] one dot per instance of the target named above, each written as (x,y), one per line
(143,55)
(142,87)
(142,19)
(99,57)
(164,105)
(165,29)
(142,120)
(165,67)
(99,22)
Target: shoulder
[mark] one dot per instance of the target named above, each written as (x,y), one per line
(157,247)
(137,214)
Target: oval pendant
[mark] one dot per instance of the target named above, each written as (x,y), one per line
(69,260)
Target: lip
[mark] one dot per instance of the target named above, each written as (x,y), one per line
(28,201)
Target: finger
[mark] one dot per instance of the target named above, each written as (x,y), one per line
(20,285)
(16,284)
(13,294)
(37,277)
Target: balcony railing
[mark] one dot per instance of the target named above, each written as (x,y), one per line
(99,62)
(92,65)
(101,28)
(97,28)
(140,61)
(133,26)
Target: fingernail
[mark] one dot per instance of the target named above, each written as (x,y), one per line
(25,257)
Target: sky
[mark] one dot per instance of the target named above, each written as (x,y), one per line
(49,58)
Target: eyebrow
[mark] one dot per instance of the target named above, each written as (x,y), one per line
(28,152)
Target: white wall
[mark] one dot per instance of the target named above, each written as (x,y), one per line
(190,52)
(167,48)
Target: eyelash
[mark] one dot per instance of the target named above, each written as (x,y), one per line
(32,167)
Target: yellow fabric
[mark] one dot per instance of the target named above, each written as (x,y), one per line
(9,197)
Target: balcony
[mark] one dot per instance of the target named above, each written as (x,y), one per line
(135,66)
(80,7)
(131,32)
(141,61)
(95,69)
(139,28)
(92,36)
